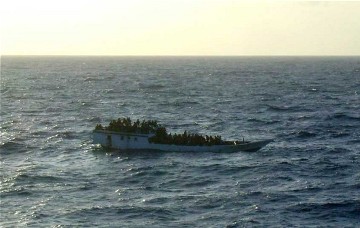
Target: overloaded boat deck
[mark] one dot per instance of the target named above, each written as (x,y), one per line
(123,134)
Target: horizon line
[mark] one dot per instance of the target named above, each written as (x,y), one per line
(94,55)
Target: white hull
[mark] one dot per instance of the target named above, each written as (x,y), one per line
(128,141)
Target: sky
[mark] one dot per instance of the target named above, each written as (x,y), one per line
(179,27)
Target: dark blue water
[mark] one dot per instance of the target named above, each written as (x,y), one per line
(52,174)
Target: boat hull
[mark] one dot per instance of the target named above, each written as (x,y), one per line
(128,141)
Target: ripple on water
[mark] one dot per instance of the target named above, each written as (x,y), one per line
(52,175)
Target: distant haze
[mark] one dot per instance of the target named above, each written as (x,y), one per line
(179,27)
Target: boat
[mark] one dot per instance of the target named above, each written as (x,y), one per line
(131,141)
(123,134)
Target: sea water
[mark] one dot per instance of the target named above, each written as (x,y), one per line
(52,174)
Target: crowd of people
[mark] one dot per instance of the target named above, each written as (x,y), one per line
(126,125)
(162,137)
(160,133)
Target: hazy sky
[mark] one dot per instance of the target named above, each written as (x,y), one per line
(179,27)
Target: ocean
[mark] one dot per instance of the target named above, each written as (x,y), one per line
(53,176)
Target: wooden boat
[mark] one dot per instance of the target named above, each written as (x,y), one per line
(135,141)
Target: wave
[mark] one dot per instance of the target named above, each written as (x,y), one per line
(179,103)
(300,134)
(306,134)
(17,191)
(54,109)
(93,79)
(87,186)
(26,178)
(67,135)
(283,108)
(327,167)
(262,121)
(343,116)
(347,208)
(94,119)
(11,147)
(225,169)
(339,150)
(354,141)
(5,90)
(122,211)
(151,86)
(339,134)
(197,183)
